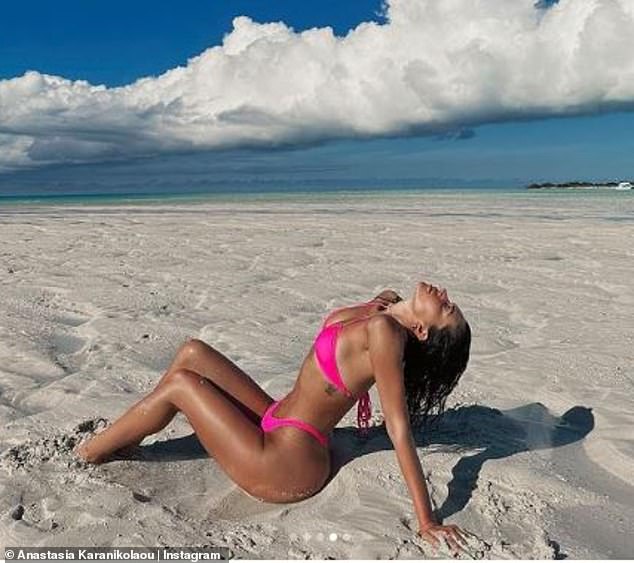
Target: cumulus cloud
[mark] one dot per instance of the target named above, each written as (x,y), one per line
(435,67)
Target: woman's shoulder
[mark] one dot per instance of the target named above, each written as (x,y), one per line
(387,339)
(384,327)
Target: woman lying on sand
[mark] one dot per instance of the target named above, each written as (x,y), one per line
(415,350)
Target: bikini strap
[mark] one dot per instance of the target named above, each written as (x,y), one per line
(364,413)
(348,306)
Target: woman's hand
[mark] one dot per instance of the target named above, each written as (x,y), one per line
(388,296)
(435,533)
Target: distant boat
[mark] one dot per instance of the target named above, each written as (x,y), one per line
(624,186)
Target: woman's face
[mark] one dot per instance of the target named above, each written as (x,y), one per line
(432,307)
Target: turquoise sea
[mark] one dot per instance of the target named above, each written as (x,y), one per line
(289,195)
(513,204)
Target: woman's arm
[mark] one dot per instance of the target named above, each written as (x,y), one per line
(387,344)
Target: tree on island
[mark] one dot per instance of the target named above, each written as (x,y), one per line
(576,184)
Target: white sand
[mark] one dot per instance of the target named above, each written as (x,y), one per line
(95,300)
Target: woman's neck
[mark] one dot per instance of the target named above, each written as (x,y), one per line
(401,311)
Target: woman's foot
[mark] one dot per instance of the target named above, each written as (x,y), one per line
(84,451)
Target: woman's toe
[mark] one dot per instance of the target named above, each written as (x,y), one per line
(81,450)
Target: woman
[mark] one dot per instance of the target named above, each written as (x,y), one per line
(415,350)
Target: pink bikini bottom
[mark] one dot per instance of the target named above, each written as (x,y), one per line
(270,423)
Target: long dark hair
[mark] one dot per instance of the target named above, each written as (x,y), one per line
(432,369)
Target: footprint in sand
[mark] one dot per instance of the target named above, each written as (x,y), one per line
(58,447)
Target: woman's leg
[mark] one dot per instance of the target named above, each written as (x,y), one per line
(224,431)
(198,356)
(148,416)
(193,355)
(154,412)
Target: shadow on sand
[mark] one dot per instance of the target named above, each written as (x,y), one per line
(495,434)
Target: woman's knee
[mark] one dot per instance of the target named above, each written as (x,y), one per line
(181,385)
(192,348)
(181,378)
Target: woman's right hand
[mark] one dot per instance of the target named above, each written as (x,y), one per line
(455,537)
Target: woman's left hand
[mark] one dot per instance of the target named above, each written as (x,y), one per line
(452,534)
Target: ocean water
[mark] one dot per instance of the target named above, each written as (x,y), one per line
(299,194)
(484,202)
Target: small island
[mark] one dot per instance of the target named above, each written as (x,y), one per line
(622,185)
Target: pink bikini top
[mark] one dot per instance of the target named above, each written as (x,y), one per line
(325,353)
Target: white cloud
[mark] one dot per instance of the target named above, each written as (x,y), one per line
(433,67)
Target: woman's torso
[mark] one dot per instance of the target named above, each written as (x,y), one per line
(314,399)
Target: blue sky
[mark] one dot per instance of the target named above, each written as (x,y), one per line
(116,43)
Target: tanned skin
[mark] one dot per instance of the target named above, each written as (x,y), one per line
(224,406)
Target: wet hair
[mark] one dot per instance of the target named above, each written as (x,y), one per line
(432,369)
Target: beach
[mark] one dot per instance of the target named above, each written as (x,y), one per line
(535,454)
